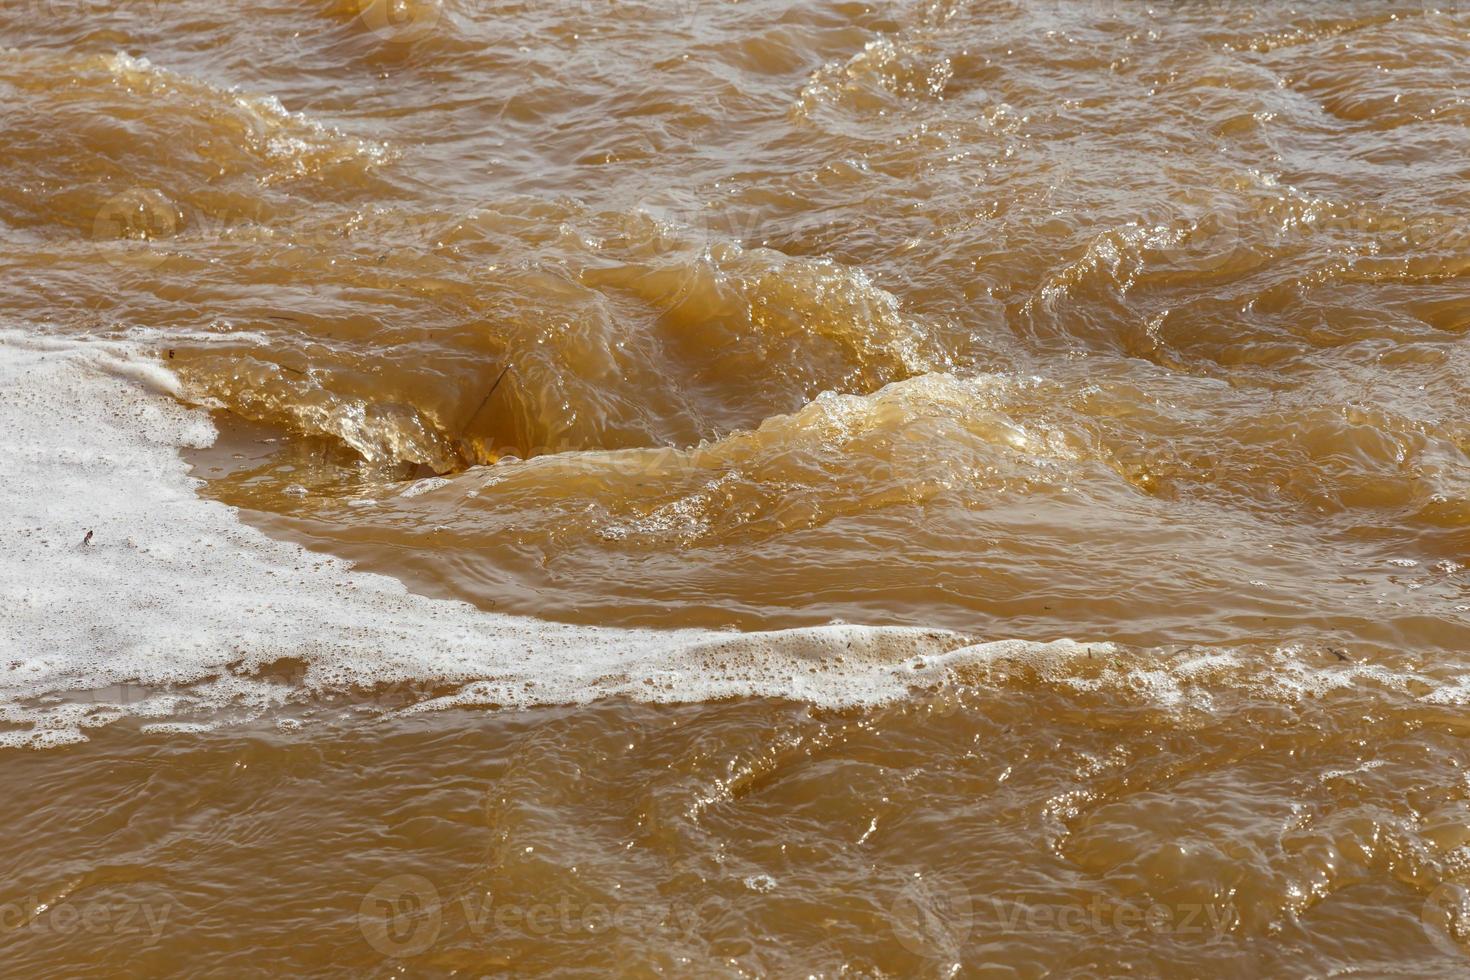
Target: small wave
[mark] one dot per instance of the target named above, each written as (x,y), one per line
(169,593)
(292,143)
(620,329)
(885,70)
(120,133)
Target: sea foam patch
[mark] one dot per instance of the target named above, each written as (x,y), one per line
(118,576)
(125,594)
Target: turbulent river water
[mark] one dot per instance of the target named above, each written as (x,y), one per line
(734,488)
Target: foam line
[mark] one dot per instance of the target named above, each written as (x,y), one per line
(174,597)
(174,594)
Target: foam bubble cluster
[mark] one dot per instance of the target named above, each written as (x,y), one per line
(173,596)
(124,594)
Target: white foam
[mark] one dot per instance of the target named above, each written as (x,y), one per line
(174,609)
(173,592)
(424,486)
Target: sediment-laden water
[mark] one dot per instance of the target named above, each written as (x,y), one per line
(734,488)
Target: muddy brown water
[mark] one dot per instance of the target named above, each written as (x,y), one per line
(1141,325)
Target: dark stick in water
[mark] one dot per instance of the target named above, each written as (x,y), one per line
(483,401)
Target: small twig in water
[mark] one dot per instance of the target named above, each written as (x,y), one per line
(1337,653)
(483,401)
